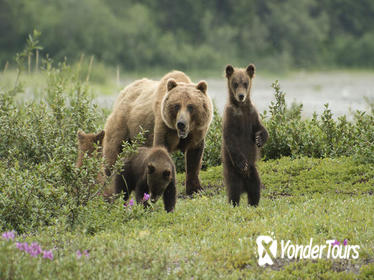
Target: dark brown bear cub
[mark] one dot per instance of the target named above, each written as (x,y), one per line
(243,134)
(151,171)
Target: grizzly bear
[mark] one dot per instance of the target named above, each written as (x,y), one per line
(87,144)
(243,134)
(148,171)
(175,113)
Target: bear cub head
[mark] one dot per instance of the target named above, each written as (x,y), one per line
(186,107)
(160,172)
(87,144)
(240,82)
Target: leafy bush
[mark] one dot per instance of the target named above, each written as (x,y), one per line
(322,136)
(212,153)
(39,183)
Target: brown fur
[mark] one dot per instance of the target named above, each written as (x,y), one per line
(87,144)
(243,134)
(152,171)
(132,109)
(152,105)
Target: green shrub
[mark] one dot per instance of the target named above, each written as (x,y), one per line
(322,136)
(213,140)
(39,183)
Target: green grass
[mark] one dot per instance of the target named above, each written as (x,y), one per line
(206,238)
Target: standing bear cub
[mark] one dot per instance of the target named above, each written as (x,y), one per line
(151,171)
(243,134)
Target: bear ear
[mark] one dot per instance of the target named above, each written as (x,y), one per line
(100,136)
(171,84)
(229,71)
(81,134)
(202,86)
(151,168)
(251,70)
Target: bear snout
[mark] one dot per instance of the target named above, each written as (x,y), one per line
(182,128)
(181,125)
(241,97)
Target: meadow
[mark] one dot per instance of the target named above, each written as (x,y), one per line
(318,176)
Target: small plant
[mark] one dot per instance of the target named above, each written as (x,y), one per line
(213,140)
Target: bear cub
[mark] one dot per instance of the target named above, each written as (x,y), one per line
(87,144)
(243,134)
(149,170)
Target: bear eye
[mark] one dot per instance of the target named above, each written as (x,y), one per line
(190,108)
(245,85)
(177,107)
(151,169)
(235,85)
(166,173)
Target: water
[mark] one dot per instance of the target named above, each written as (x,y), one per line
(344,92)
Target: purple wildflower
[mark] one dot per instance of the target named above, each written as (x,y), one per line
(79,254)
(9,235)
(146,197)
(345,243)
(47,254)
(25,247)
(86,253)
(336,243)
(130,203)
(20,246)
(34,249)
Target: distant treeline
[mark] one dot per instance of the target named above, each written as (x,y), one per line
(147,34)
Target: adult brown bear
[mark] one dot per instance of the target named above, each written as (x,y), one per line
(243,134)
(175,112)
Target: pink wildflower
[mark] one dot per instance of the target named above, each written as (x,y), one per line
(345,243)
(23,246)
(79,254)
(47,254)
(86,253)
(34,249)
(130,203)
(336,243)
(9,235)
(20,246)
(146,197)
